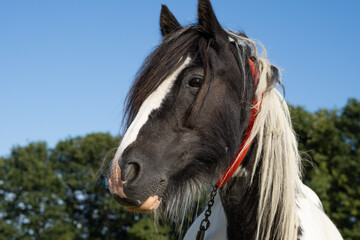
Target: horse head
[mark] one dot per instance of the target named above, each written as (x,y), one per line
(186,115)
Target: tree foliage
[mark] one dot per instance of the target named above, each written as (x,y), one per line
(330,140)
(32,193)
(61,193)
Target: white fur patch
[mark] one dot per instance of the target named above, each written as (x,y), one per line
(218,223)
(151,103)
(313,221)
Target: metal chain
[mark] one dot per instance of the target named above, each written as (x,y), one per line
(205,223)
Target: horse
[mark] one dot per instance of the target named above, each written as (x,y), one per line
(205,110)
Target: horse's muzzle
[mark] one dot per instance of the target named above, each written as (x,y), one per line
(116,186)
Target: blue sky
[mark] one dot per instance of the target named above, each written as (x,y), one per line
(66,66)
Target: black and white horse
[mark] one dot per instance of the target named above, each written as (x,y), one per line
(204,102)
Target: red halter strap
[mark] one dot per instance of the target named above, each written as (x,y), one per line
(227,174)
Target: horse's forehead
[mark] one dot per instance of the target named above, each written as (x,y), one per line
(151,103)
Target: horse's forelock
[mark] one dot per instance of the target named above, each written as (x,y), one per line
(165,59)
(169,55)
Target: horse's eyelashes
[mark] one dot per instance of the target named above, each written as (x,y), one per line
(196,82)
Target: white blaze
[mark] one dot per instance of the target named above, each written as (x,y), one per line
(151,103)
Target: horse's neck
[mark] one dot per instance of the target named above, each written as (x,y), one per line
(241,212)
(240,202)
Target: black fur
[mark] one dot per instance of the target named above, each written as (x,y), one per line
(240,203)
(168,22)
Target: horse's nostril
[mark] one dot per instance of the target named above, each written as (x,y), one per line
(130,172)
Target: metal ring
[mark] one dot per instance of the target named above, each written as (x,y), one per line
(207,213)
(207,223)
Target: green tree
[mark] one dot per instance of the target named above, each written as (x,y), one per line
(31,206)
(144,229)
(62,193)
(330,139)
(347,172)
(91,208)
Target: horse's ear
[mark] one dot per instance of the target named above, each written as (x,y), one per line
(168,22)
(208,20)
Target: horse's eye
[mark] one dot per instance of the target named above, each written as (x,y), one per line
(196,82)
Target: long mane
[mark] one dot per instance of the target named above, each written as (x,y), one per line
(277,155)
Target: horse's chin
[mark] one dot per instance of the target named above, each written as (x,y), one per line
(151,204)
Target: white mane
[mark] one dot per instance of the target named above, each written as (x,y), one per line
(278,151)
